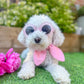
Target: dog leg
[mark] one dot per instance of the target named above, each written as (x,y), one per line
(27,71)
(28,68)
(59,74)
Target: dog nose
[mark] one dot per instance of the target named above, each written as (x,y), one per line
(37,39)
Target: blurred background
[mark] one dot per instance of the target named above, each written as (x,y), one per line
(68,14)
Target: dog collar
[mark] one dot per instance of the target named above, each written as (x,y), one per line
(39,56)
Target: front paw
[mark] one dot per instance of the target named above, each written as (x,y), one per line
(62,78)
(61,75)
(23,74)
(61,81)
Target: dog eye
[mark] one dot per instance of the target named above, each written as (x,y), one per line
(29,30)
(46,29)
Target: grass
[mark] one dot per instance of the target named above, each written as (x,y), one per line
(74,64)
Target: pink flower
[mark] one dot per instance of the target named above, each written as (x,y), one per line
(10,62)
(13,62)
(2,57)
(2,71)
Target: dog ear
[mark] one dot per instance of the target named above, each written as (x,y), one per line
(58,37)
(21,37)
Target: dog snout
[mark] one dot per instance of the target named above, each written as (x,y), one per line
(37,40)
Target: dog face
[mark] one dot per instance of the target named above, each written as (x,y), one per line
(39,32)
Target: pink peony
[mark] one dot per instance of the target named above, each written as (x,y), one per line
(12,61)
(2,57)
(2,71)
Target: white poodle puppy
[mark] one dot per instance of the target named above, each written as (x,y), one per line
(42,37)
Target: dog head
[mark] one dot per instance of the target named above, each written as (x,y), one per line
(39,32)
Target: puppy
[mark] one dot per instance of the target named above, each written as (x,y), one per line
(42,37)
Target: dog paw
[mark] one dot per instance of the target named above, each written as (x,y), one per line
(26,74)
(61,79)
(61,75)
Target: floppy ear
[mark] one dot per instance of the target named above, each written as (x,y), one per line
(21,38)
(58,37)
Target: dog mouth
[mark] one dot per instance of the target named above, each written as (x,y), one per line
(39,46)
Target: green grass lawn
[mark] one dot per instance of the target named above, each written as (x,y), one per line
(74,64)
